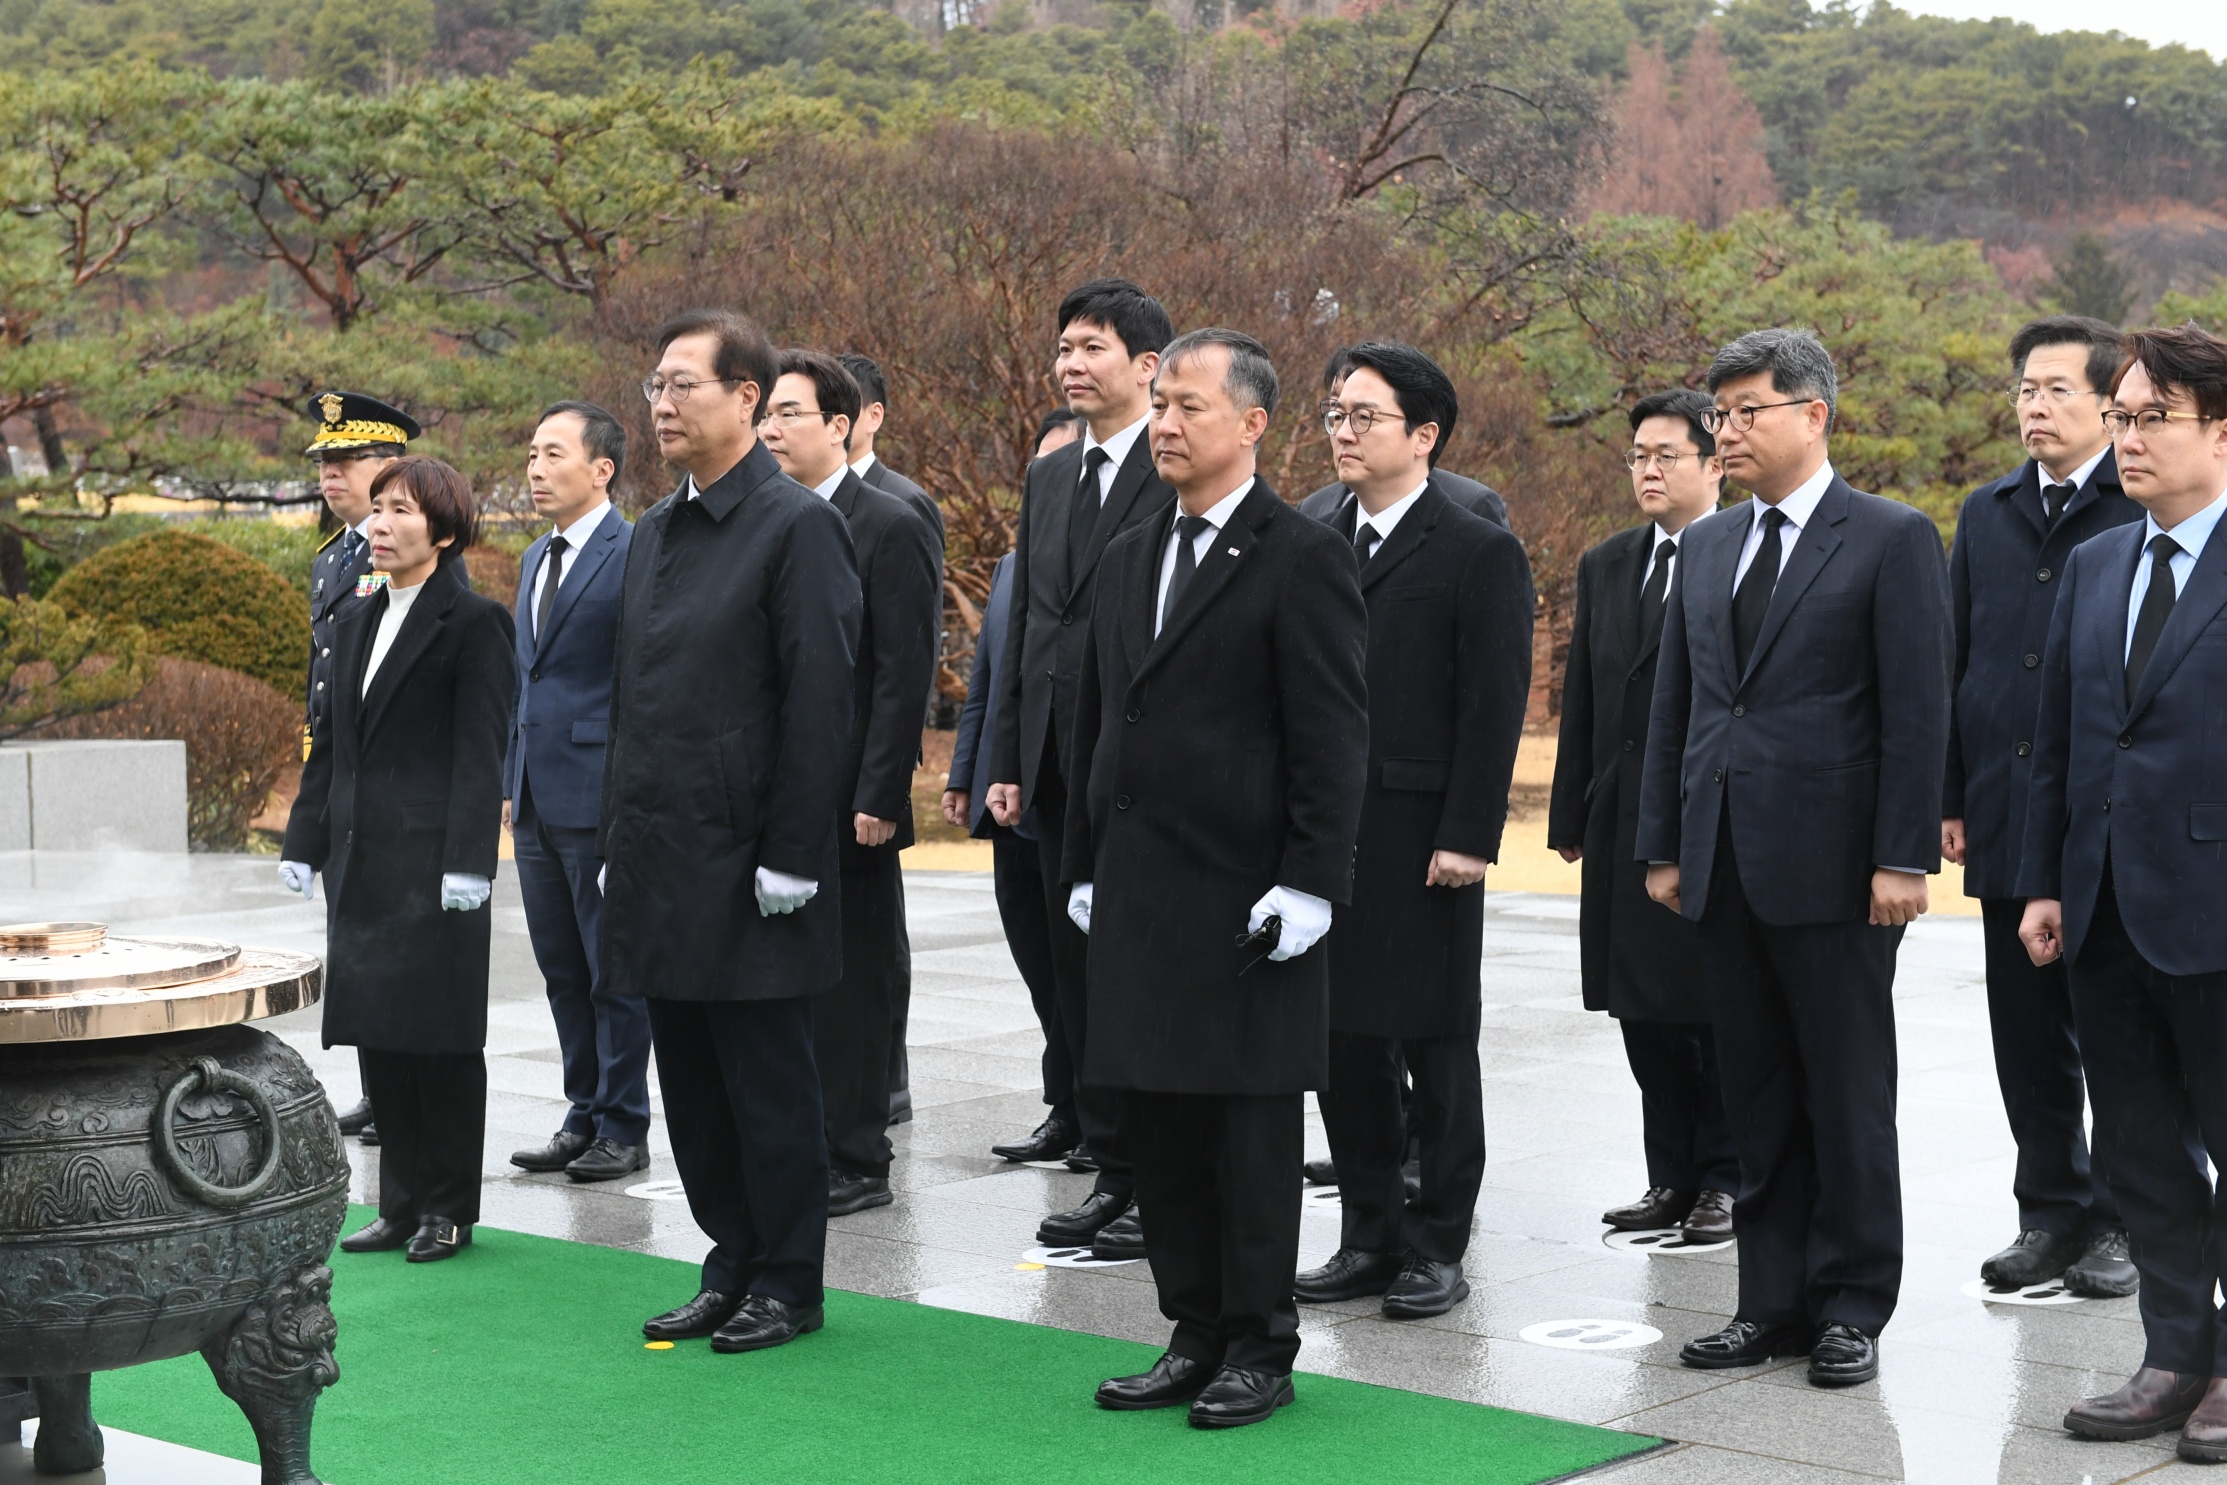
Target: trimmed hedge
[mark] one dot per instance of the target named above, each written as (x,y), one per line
(200,600)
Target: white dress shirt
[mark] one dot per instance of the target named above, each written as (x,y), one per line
(1117,449)
(2190,535)
(1654,545)
(1797,508)
(1216,518)
(399,601)
(2079,480)
(574,536)
(864,462)
(1389,517)
(826,488)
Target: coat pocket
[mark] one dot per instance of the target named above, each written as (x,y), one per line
(592,730)
(1421,775)
(431,814)
(2207,822)
(739,779)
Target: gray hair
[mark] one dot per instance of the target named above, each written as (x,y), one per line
(1797,360)
(1252,377)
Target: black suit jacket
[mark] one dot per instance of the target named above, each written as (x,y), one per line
(1220,759)
(404,784)
(2004,574)
(730,740)
(1640,961)
(896,662)
(1449,674)
(1479,500)
(1827,751)
(1052,599)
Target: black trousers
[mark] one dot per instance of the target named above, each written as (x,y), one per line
(603,1038)
(1018,876)
(1804,1018)
(432,1132)
(2156,1051)
(742,1103)
(1099,1110)
(851,1023)
(1218,1194)
(900,1010)
(2059,1187)
(1681,1106)
(1362,1113)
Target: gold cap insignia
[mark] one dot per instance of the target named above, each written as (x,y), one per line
(329,405)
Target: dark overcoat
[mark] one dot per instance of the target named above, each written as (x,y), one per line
(2004,573)
(332,583)
(1055,585)
(1220,759)
(404,784)
(564,682)
(1640,960)
(1449,674)
(1479,500)
(730,740)
(896,662)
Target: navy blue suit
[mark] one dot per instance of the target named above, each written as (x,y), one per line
(2126,824)
(1778,791)
(2004,576)
(553,777)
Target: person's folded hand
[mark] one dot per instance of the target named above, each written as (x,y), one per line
(1306,918)
(462,892)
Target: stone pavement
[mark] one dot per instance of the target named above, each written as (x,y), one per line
(1968,1392)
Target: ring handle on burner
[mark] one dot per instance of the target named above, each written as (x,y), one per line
(205,1073)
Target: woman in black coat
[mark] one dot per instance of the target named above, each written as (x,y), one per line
(400,807)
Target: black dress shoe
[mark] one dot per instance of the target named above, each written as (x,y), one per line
(1080,1160)
(900,1107)
(699,1317)
(382,1236)
(563,1148)
(607,1160)
(438,1238)
(2106,1269)
(1051,1140)
(761,1322)
(2152,1402)
(1746,1343)
(1425,1288)
(1238,1396)
(1173,1379)
(1320,1172)
(1842,1357)
(1710,1221)
(1350,1274)
(1119,1240)
(849,1192)
(368,1136)
(1082,1225)
(2034,1257)
(1660,1207)
(353,1121)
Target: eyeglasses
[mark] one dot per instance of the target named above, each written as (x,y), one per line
(787,415)
(2057,395)
(1335,417)
(1742,418)
(2146,422)
(1635,458)
(654,387)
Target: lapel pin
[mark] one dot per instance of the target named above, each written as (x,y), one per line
(1233,551)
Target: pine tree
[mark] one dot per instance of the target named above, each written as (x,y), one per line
(2089,281)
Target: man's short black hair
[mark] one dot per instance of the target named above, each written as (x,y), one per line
(2187,359)
(832,386)
(744,354)
(1058,417)
(1682,403)
(1334,369)
(871,384)
(2106,346)
(600,433)
(1140,321)
(1424,390)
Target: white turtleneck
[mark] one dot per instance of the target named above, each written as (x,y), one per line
(390,624)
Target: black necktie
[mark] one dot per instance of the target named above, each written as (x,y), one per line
(2157,607)
(2054,498)
(1365,539)
(1085,516)
(1752,600)
(553,565)
(1187,529)
(1652,597)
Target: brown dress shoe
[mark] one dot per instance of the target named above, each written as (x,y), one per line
(2204,1436)
(2152,1402)
(1710,1221)
(1661,1207)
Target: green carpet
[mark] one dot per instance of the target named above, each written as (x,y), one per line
(521,1363)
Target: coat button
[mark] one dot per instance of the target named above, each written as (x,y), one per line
(535,673)
(1134,714)
(1628,745)
(1716,776)
(1121,801)
(320,685)
(1739,711)
(2107,804)
(1067,618)
(2024,748)
(327,650)
(2032,661)
(2042,576)
(2126,739)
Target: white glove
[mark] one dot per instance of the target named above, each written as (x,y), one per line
(461,892)
(1078,905)
(778,892)
(1306,919)
(295,877)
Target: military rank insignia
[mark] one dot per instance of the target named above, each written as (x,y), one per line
(370,583)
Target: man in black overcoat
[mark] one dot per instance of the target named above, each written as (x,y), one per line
(809,419)
(1478,499)
(1076,500)
(1641,963)
(1791,808)
(2012,539)
(1221,746)
(727,767)
(1449,673)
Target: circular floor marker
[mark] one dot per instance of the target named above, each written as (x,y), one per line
(658,1191)
(1071,1258)
(1660,1240)
(1054,1165)
(657,1345)
(2051,1293)
(1590,1335)
(1321,1196)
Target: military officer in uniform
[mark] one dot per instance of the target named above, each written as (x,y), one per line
(357,436)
